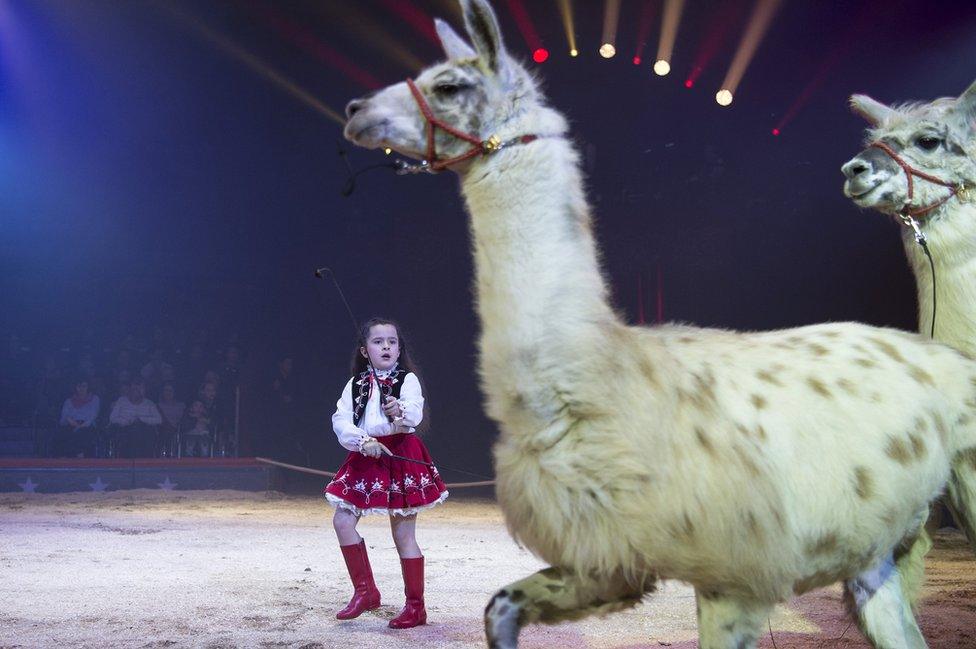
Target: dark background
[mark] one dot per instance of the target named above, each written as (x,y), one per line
(150,180)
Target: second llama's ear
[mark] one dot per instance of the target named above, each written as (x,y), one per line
(482,26)
(873,111)
(965,110)
(454,46)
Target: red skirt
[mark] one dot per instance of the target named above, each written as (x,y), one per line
(386,485)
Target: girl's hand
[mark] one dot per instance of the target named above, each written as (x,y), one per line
(373,448)
(392,408)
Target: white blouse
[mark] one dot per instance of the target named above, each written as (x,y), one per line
(374,423)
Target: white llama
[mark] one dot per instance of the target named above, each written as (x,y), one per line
(752,466)
(937,139)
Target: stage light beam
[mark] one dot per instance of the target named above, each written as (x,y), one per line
(611,19)
(762,16)
(566,12)
(717,33)
(254,63)
(669,32)
(723,97)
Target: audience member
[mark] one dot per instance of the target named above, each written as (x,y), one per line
(76,428)
(135,420)
(195,431)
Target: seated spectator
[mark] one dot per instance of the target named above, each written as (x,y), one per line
(76,429)
(172,412)
(134,422)
(196,438)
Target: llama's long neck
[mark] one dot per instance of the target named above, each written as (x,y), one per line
(952,242)
(541,296)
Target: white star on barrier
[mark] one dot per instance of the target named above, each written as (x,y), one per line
(29,486)
(98,485)
(167,485)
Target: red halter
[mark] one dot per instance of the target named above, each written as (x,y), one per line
(478,146)
(912,171)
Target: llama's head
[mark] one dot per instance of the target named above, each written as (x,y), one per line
(479,91)
(937,139)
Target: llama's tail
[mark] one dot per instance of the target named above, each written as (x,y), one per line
(962,492)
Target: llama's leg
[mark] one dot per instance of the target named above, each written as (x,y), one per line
(729,623)
(882,610)
(910,564)
(962,492)
(553,595)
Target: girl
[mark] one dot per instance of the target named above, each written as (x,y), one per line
(376,425)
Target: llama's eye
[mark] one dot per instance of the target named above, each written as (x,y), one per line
(928,142)
(447,89)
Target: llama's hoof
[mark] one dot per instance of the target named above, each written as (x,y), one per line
(501,622)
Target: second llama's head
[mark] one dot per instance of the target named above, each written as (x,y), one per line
(936,138)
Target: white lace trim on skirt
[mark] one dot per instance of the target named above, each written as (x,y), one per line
(335,501)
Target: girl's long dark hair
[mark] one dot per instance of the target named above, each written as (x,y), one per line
(406,362)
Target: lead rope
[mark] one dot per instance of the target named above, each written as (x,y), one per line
(920,239)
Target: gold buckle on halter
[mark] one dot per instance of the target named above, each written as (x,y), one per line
(962,191)
(493,143)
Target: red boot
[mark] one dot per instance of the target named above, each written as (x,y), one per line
(413,613)
(366,597)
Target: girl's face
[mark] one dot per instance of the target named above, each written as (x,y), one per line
(383,346)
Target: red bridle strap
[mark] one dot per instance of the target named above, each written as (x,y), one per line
(912,171)
(478,146)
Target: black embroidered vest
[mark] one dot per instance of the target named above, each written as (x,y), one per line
(361,383)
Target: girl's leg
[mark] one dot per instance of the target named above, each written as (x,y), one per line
(344,522)
(404,530)
(412,565)
(365,595)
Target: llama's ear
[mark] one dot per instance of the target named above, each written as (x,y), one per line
(454,46)
(873,111)
(482,26)
(965,110)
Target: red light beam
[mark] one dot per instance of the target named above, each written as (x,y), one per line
(716,35)
(414,16)
(527,28)
(311,44)
(648,11)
